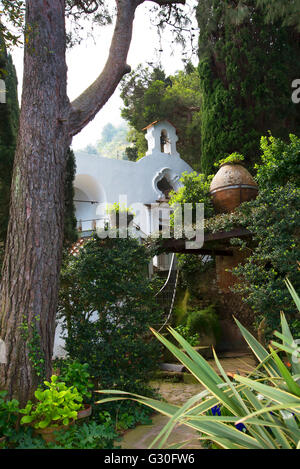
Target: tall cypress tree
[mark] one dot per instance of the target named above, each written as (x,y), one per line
(246,68)
(70,233)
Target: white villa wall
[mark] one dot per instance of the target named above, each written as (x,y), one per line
(105,181)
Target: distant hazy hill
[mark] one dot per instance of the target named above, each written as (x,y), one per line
(112,143)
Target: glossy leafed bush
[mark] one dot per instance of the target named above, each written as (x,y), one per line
(56,405)
(74,373)
(107,304)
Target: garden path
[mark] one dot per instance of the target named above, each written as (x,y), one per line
(178,393)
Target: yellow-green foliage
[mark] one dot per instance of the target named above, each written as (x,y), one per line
(181,305)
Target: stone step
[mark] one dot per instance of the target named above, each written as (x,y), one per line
(172,367)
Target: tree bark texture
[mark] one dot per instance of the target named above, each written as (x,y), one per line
(34,243)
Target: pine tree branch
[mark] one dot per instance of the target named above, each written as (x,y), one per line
(88,104)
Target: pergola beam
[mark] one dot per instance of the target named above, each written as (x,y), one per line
(179,245)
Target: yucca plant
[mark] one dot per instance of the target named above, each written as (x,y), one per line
(265,405)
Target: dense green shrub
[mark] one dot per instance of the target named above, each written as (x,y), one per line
(205,321)
(107,304)
(194,190)
(86,436)
(9,410)
(74,373)
(274,219)
(186,333)
(280,162)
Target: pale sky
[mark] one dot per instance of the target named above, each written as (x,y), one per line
(86,61)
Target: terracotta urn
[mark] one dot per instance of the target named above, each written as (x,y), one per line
(48,433)
(232,185)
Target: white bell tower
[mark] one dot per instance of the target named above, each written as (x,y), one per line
(161,137)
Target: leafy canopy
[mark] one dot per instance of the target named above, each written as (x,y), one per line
(194,190)
(150,95)
(280,162)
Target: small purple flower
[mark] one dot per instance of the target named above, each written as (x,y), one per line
(240,426)
(215,410)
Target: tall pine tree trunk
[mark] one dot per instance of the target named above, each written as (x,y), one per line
(33,253)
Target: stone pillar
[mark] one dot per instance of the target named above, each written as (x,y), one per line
(231,304)
(226,279)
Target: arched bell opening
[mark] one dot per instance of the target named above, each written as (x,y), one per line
(165,144)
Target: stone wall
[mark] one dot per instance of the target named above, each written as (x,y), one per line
(231,304)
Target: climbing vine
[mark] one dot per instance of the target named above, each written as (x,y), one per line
(31,337)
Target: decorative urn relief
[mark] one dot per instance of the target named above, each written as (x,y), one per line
(232,185)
